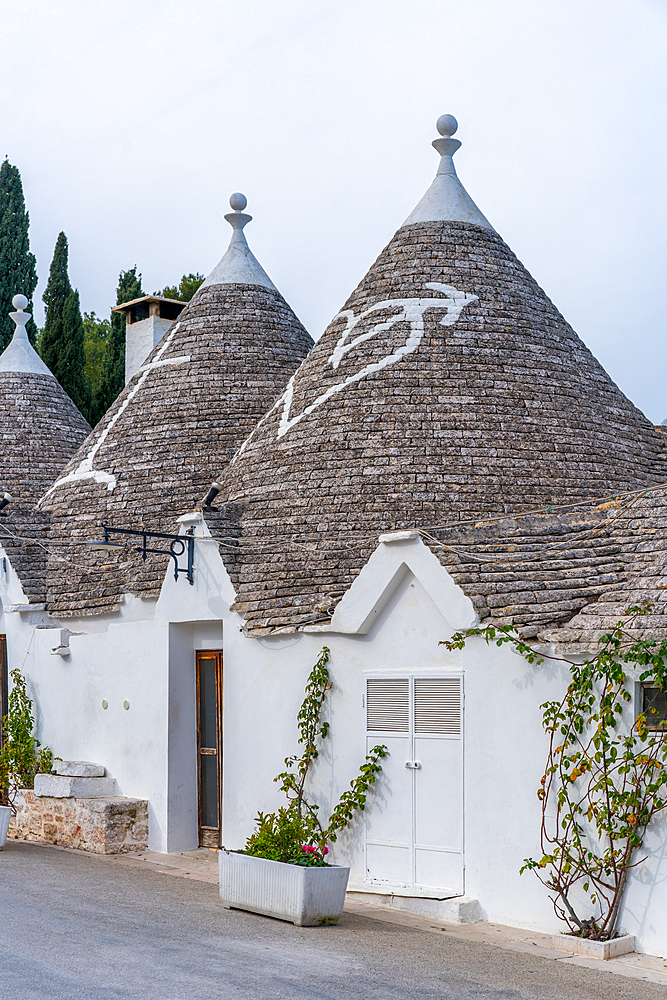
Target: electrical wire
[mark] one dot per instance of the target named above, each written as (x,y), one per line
(347,540)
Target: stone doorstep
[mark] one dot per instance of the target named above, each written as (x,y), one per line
(451,910)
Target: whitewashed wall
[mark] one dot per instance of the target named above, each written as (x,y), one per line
(403,603)
(143,655)
(505,747)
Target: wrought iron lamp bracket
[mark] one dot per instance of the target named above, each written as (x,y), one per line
(179,545)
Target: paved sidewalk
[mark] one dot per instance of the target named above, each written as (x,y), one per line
(202,865)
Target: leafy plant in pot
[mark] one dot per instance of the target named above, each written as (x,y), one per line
(22,756)
(283,871)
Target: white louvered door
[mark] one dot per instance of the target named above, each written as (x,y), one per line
(414,827)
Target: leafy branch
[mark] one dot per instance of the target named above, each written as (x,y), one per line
(294,833)
(605,776)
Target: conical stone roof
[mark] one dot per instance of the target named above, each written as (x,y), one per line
(447,388)
(40,429)
(172,429)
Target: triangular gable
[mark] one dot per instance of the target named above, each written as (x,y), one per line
(399,553)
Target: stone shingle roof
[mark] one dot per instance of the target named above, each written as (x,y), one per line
(40,429)
(641,533)
(172,429)
(544,573)
(448,387)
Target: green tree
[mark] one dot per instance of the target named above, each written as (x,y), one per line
(113,367)
(96,333)
(61,341)
(185,290)
(17,263)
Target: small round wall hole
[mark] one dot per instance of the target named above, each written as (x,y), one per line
(126,705)
(105,703)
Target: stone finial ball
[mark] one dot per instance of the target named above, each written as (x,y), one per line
(19,302)
(446,124)
(238,201)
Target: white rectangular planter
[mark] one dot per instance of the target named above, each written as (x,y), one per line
(603,950)
(5,816)
(309,897)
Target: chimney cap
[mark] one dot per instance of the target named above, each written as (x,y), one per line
(125,307)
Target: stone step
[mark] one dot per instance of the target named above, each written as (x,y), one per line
(455,910)
(61,786)
(113,825)
(78,769)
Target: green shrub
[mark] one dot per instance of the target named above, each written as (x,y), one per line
(22,755)
(285,836)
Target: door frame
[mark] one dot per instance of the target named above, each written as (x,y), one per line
(207,833)
(410,674)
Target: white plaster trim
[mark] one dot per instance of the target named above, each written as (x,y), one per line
(239,265)
(362,603)
(12,594)
(410,311)
(61,647)
(85,468)
(212,594)
(447,200)
(20,355)
(24,607)
(194,517)
(398,536)
(180,360)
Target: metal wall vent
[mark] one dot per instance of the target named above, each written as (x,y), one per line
(388,706)
(438,706)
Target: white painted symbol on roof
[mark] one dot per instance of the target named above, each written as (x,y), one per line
(408,311)
(84,469)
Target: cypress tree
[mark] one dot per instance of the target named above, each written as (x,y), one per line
(17,263)
(73,379)
(62,340)
(55,294)
(113,368)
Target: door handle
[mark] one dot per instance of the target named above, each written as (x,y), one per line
(415,765)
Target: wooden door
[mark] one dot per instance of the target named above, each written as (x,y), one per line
(209,746)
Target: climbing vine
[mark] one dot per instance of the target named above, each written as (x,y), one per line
(22,756)
(294,833)
(605,776)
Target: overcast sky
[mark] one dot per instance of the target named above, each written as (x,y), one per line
(132,122)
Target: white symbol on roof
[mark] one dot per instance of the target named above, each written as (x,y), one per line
(407,311)
(84,469)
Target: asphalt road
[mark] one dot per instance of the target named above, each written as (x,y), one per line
(73,927)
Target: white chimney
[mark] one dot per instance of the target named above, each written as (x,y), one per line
(146,321)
